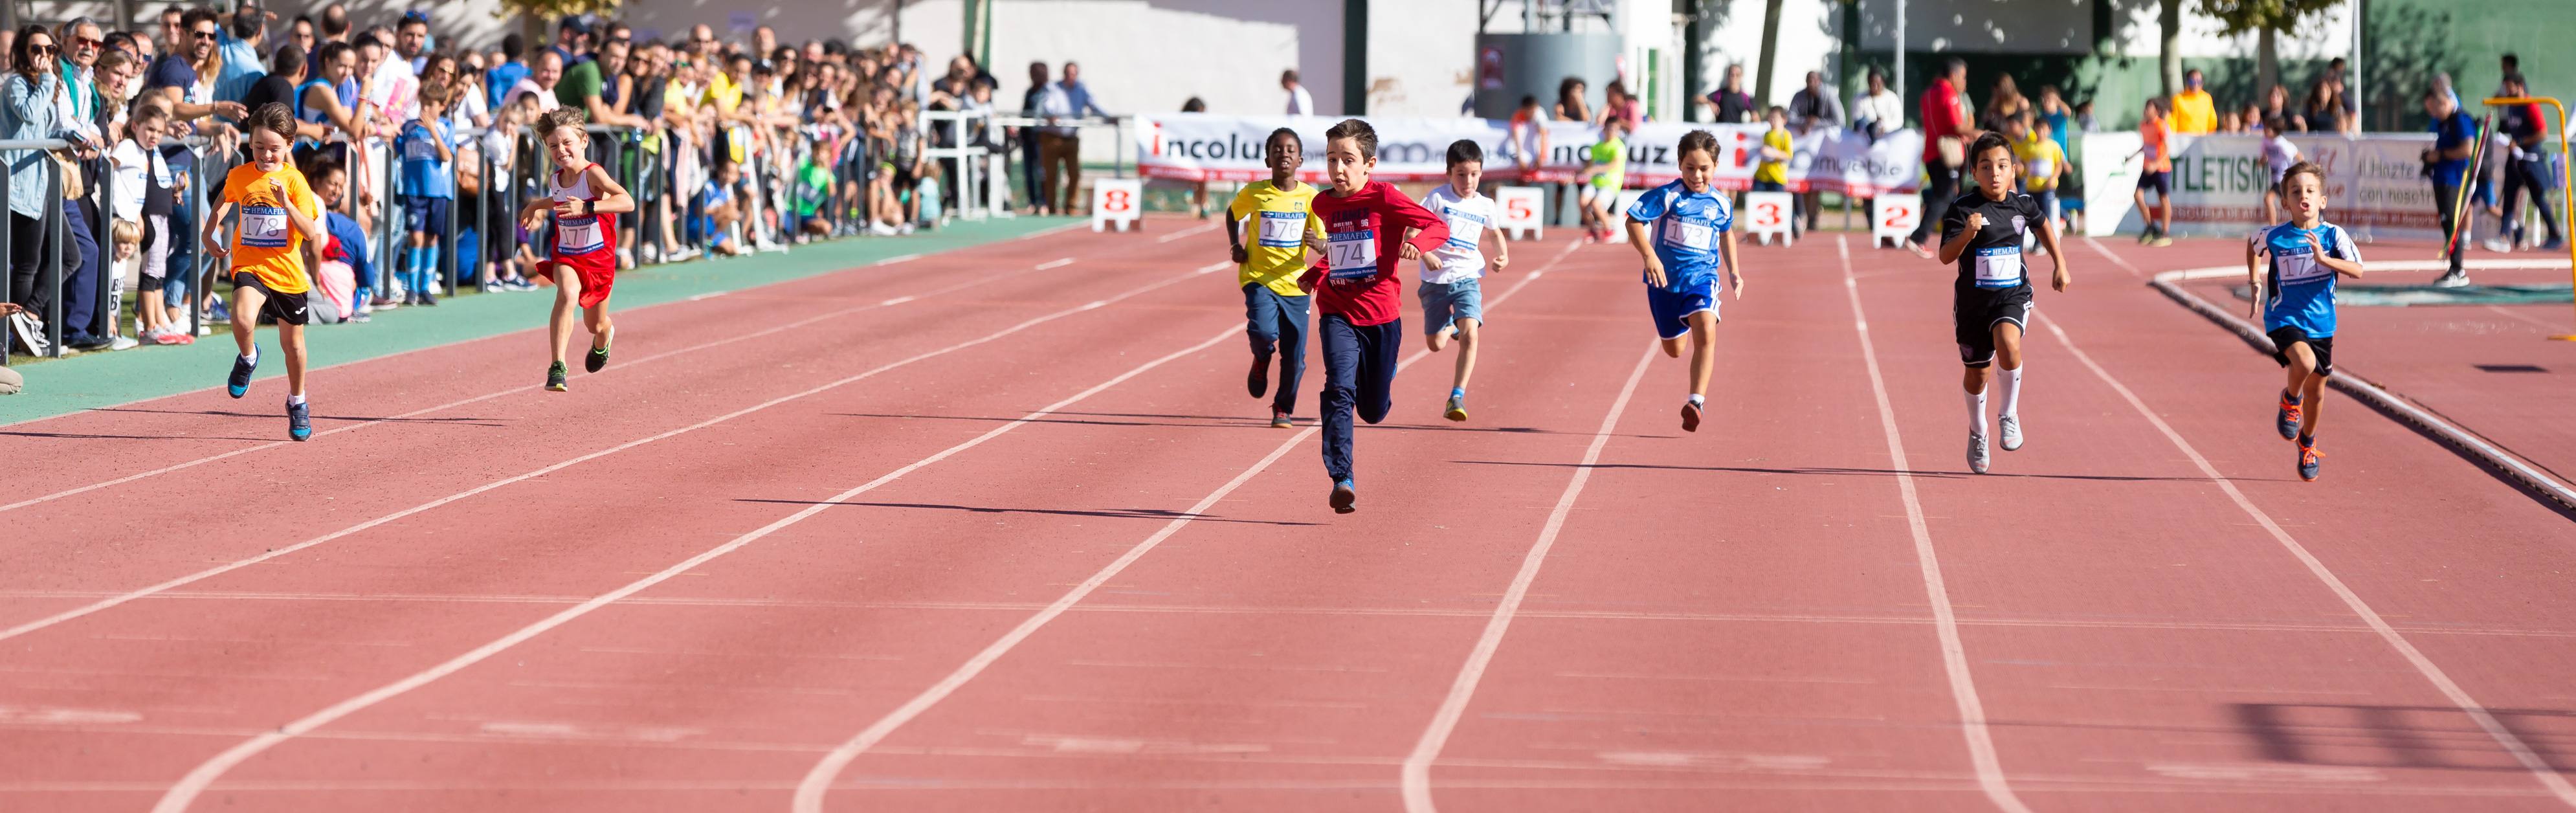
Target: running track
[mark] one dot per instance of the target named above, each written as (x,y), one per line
(959,533)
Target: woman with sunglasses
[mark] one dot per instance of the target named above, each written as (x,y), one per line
(30,108)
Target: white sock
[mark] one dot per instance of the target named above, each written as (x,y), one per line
(294,400)
(2010,402)
(253,357)
(1977,413)
(1697,400)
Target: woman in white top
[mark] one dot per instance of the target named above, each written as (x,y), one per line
(1880,110)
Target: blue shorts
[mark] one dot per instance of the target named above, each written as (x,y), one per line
(1671,308)
(1444,303)
(425,215)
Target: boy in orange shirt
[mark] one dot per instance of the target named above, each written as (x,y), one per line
(278,214)
(2153,133)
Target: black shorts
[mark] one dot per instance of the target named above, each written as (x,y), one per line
(2323,348)
(2161,182)
(285,309)
(1974,312)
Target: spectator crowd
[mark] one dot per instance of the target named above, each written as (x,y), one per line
(733,146)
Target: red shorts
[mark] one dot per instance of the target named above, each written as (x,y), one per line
(598,273)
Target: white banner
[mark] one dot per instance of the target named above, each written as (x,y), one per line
(2374,185)
(1209,147)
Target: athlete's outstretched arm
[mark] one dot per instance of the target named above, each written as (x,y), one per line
(613,198)
(1654,266)
(2048,240)
(1734,272)
(1502,249)
(2256,251)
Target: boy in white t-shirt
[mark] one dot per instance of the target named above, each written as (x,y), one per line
(2278,155)
(1453,301)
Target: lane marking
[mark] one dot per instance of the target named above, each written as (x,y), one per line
(818,781)
(2115,259)
(860,267)
(2540,769)
(208,573)
(1199,229)
(1945,620)
(186,790)
(1058,262)
(975,283)
(1416,771)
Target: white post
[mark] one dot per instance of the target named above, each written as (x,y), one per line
(2358,14)
(1900,48)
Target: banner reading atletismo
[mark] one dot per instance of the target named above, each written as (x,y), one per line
(2374,184)
(1209,147)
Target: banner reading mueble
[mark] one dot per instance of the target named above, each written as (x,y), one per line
(1211,147)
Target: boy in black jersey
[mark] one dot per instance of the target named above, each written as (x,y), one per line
(1991,304)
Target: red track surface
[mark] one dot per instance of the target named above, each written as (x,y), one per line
(1036,617)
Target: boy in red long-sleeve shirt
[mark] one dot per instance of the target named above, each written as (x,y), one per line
(1370,231)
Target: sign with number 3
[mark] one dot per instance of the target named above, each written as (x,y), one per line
(1767,215)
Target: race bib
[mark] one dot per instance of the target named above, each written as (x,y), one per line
(1283,229)
(1999,267)
(263,226)
(577,235)
(2301,267)
(1352,254)
(1465,228)
(1681,233)
(2042,167)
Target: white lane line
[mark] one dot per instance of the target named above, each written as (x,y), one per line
(2540,769)
(1199,229)
(818,781)
(2105,251)
(1954,653)
(887,261)
(622,366)
(1058,262)
(182,794)
(707,296)
(1417,766)
(208,573)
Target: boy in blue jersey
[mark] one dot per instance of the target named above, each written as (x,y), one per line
(429,188)
(1683,230)
(1991,301)
(2292,269)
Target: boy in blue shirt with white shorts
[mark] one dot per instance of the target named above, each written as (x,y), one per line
(1684,231)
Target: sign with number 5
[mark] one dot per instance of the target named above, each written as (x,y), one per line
(1894,218)
(1520,206)
(1767,215)
(1118,204)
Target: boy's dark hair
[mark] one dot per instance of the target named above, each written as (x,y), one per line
(1357,131)
(330,52)
(274,117)
(1281,133)
(1529,100)
(1696,141)
(2302,168)
(1989,140)
(248,21)
(1465,150)
(1194,105)
(1777,110)
(514,45)
(2275,124)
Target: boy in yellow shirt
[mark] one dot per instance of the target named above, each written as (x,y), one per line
(278,214)
(1272,250)
(1772,175)
(2043,163)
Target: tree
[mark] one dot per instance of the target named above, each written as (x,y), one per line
(2268,19)
(2169,46)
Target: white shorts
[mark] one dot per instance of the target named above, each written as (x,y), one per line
(156,251)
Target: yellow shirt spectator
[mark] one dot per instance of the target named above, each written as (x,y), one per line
(2040,161)
(1274,243)
(268,244)
(2193,112)
(1774,171)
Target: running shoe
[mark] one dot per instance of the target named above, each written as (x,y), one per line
(427,298)
(239,383)
(1280,420)
(1977,452)
(359,317)
(122,343)
(2010,427)
(2161,241)
(598,357)
(1346,497)
(2452,279)
(1457,408)
(299,421)
(2554,244)
(1690,416)
(554,378)
(219,312)
(1257,382)
(2308,460)
(2289,418)
(2497,245)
